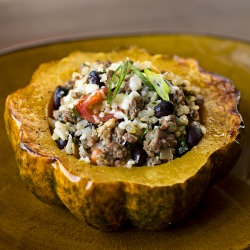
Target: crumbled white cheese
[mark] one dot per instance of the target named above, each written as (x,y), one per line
(114,66)
(135,83)
(68,102)
(79,85)
(69,147)
(144,91)
(122,125)
(124,101)
(120,115)
(83,153)
(120,100)
(101,115)
(86,133)
(130,163)
(90,88)
(80,126)
(61,131)
(85,70)
(133,95)
(134,126)
(103,77)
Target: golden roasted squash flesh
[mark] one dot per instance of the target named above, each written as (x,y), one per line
(149,197)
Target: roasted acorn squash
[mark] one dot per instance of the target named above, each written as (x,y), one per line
(149,197)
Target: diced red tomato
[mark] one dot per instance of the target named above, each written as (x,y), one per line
(87,103)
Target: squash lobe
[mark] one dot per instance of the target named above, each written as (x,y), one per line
(148,197)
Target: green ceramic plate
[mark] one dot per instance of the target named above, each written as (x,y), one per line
(222,220)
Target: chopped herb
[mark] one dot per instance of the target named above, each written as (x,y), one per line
(75,112)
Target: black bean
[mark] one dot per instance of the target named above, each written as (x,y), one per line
(139,155)
(61,144)
(58,94)
(194,135)
(94,78)
(91,125)
(164,108)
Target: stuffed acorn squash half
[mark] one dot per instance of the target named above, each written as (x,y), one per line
(124,136)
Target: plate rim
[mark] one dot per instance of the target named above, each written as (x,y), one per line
(43,42)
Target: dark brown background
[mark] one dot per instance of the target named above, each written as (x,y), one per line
(26,21)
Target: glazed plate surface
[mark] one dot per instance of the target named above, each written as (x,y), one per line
(222,221)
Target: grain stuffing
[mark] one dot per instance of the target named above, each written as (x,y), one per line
(126,114)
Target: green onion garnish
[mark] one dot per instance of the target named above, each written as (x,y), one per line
(152,80)
(159,84)
(124,70)
(109,97)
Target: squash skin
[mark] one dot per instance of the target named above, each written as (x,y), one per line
(107,204)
